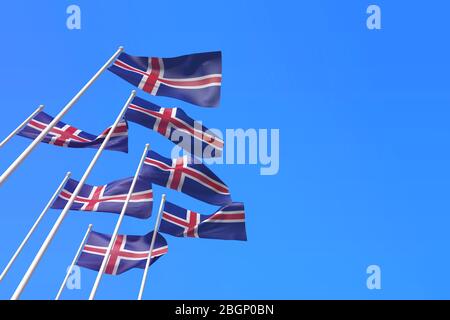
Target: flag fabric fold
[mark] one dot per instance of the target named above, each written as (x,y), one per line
(227,223)
(185,175)
(128,252)
(109,198)
(65,135)
(194,78)
(177,126)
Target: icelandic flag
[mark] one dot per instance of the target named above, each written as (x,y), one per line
(195,78)
(128,252)
(109,198)
(185,175)
(177,126)
(228,223)
(65,135)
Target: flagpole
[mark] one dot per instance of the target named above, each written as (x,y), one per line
(69,271)
(20,127)
(152,244)
(118,223)
(44,133)
(35,225)
(66,209)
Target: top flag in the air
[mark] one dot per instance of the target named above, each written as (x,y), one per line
(109,198)
(195,78)
(128,252)
(186,175)
(177,126)
(65,135)
(227,223)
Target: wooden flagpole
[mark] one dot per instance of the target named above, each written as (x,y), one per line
(69,271)
(116,229)
(66,109)
(23,124)
(66,209)
(35,225)
(152,244)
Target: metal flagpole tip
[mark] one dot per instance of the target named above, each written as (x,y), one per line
(121,48)
(68,174)
(147,146)
(164,196)
(41,107)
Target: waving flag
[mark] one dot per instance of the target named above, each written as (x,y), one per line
(64,135)
(228,223)
(109,198)
(183,174)
(191,135)
(195,78)
(128,252)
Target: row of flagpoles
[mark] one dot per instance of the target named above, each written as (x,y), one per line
(155,79)
(66,209)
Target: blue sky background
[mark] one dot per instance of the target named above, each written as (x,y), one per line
(363,118)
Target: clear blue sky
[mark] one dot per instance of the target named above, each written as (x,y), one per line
(364,161)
